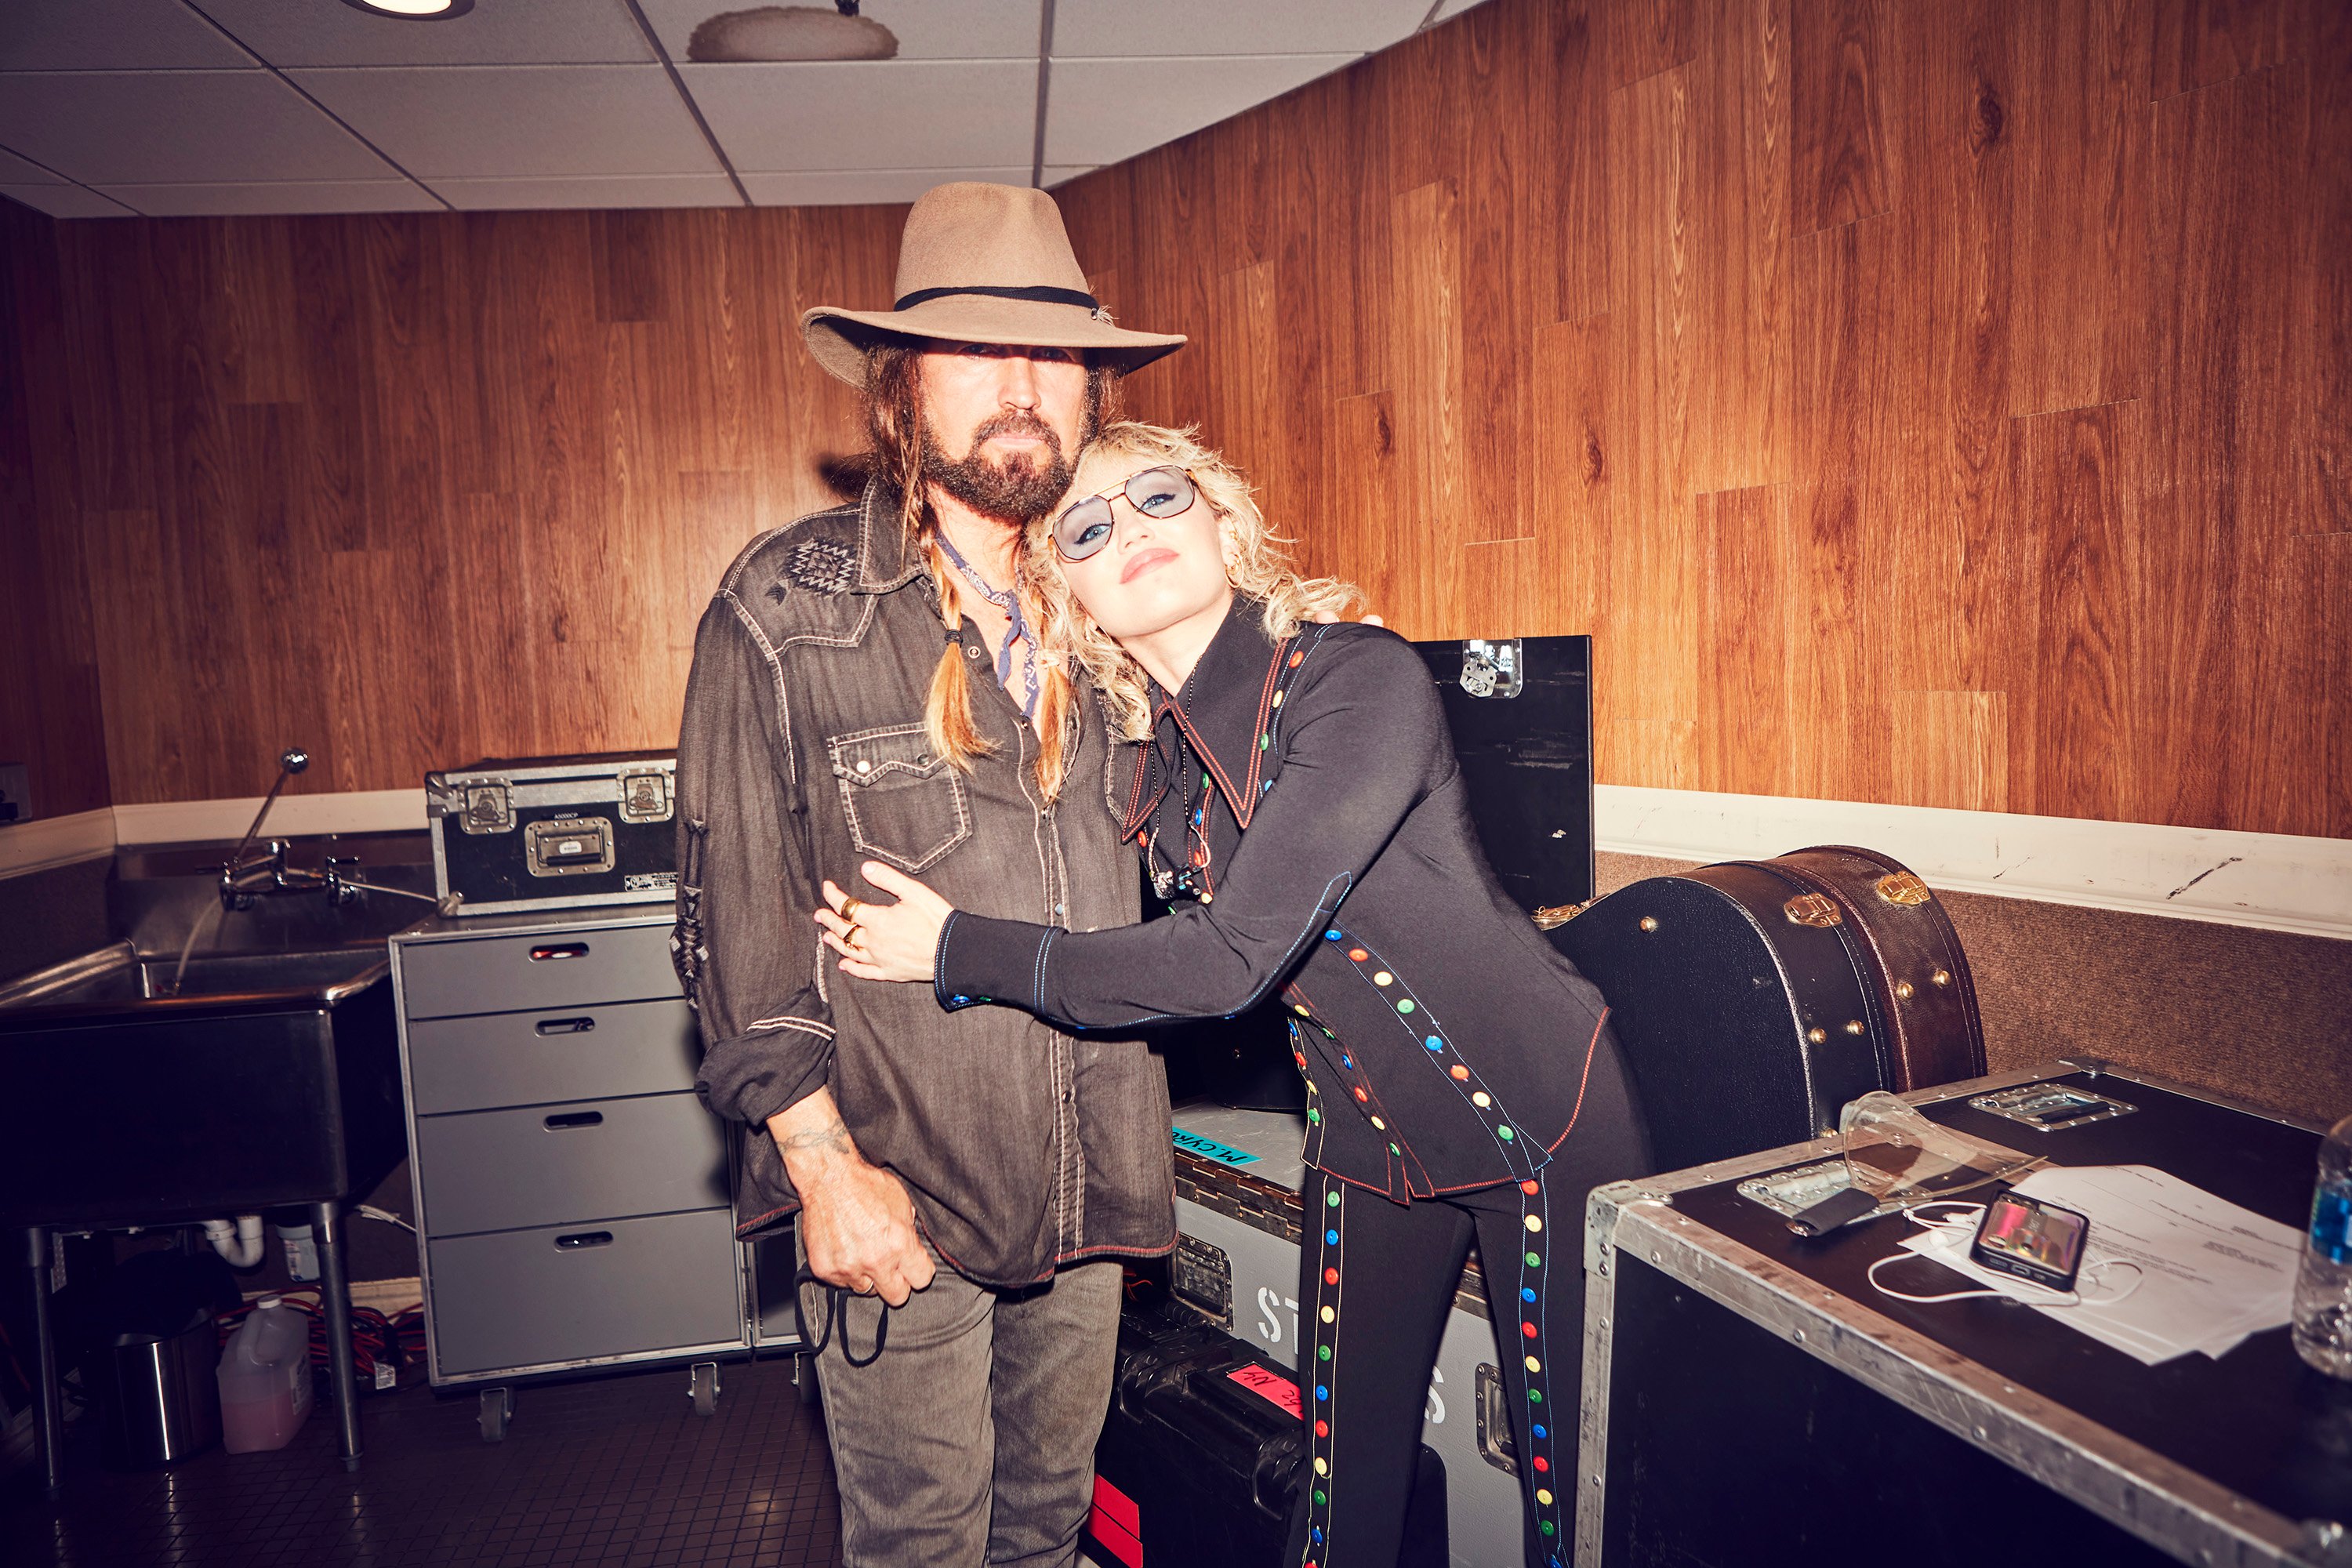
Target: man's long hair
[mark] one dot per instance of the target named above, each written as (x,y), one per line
(896,424)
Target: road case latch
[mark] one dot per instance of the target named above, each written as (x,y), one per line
(1492,668)
(646,797)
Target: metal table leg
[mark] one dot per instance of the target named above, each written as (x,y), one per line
(52,1419)
(336,1293)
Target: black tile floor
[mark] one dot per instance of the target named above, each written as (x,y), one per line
(609,1470)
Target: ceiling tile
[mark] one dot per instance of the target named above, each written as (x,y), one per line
(1121,29)
(153,127)
(875,114)
(618,191)
(110,35)
(926,30)
(18,170)
(513,121)
(276,196)
(863,187)
(66,201)
(1100,112)
(495,32)
(1063,174)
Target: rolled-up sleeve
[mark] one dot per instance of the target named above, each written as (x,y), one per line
(746,950)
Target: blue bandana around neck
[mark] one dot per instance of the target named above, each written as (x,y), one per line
(1006,600)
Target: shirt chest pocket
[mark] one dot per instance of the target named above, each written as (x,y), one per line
(903,804)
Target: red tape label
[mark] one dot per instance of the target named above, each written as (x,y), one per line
(1269,1384)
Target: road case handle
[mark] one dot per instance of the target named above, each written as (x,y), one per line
(565,1122)
(558,950)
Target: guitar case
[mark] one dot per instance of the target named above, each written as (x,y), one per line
(1755,998)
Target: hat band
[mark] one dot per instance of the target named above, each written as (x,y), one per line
(1040,292)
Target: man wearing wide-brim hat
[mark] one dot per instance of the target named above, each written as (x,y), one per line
(867,685)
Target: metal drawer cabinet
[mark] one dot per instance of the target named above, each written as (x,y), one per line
(573,1194)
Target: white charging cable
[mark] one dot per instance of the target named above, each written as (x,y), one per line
(1963,1221)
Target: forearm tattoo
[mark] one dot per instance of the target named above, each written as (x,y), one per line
(832,1137)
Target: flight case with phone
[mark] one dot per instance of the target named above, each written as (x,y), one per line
(1749,1396)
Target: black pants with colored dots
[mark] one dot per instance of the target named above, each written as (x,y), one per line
(1376,1280)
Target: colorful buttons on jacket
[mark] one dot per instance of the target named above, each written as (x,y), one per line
(1380,976)
(1460,1072)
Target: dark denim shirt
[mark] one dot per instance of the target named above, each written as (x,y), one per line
(1446,1044)
(801,754)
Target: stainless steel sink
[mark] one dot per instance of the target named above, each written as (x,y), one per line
(139,1094)
(116,979)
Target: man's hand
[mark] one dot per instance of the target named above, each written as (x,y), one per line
(858,1225)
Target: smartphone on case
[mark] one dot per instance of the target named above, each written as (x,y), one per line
(2034,1241)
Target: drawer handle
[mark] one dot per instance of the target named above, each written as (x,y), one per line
(558,950)
(580,1238)
(572,1118)
(565,1025)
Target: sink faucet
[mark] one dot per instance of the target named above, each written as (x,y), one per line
(243,880)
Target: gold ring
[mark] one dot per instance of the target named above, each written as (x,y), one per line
(849,908)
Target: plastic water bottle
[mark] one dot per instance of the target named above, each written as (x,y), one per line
(2323,1289)
(265,1379)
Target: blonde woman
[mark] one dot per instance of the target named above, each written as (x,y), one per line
(1297,802)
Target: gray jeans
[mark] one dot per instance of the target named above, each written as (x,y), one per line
(970,1439)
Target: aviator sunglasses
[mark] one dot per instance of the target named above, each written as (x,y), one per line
(1085,526)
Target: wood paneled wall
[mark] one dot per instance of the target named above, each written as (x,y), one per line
(1944,401)
(49,708)
(413,489)
(1933,401)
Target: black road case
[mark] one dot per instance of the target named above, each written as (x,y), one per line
(1750,1398)
(534,833)
(1200,1459)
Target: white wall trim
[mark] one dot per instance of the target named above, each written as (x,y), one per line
(47,841)
(2276,881)
(194,821)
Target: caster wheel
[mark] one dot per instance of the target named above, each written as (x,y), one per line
(703,1387)
(804,1380)
(498,1406)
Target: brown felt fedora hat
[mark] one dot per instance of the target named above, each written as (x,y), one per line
(983,264)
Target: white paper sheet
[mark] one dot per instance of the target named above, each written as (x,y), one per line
(2210,1273)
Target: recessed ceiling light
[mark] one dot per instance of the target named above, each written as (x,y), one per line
(412,10)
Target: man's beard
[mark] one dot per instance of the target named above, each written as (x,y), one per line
(1019,490)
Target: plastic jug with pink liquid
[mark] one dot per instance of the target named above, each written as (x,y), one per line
(265,1378)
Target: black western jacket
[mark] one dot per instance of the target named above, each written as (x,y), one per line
(1302,802)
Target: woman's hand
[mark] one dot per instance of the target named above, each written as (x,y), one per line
(885,942)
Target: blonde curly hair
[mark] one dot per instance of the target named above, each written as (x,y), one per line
(1257,562)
